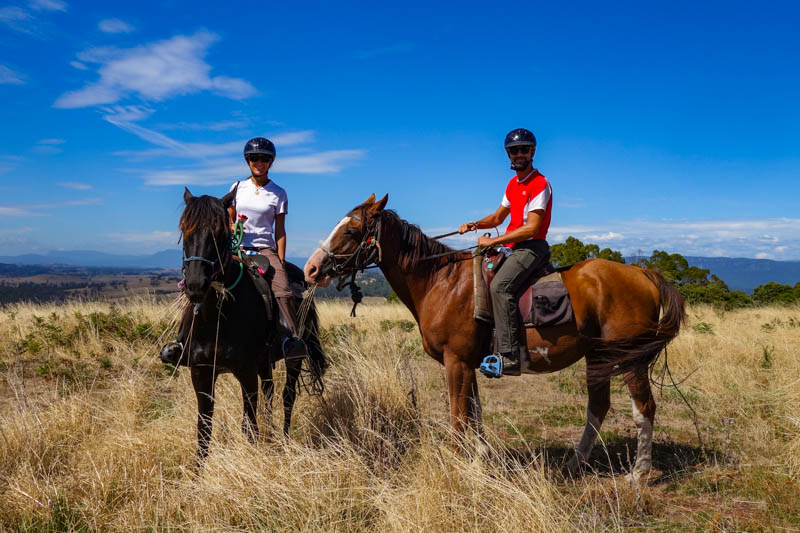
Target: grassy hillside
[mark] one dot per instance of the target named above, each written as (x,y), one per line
(98,436)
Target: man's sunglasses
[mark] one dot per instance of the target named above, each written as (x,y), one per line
(263,158)
(514,150)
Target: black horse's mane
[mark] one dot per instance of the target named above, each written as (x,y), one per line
(203,212)
(415,248)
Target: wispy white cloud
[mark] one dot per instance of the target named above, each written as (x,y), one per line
(10,77)
(48,5)
(78,65)
(76,185)
(151,237)
(730,238)
(777,238)
(23,21)
(221,125)
(48,146)
(17,19)
(37,209)
(227,171)
(154,72)
(114,26)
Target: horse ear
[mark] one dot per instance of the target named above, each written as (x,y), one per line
(227,200)
(371,199)
(187,196)
(378,206)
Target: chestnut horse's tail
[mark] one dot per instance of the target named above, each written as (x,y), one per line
(642,350)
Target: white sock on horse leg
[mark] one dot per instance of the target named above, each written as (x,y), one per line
(644,450)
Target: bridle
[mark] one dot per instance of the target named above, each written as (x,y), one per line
(367,255)
(217,264)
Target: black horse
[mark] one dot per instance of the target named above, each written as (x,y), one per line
(228,327)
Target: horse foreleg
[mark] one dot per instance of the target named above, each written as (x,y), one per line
(474,409)
(249,383)
(290,393)
(596,410)
(203,379)
(268,390)
(461,383)
(644,411)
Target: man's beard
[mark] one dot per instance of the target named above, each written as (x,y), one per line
(520,163)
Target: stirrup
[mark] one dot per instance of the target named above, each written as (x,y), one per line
(296,349)
(492,366)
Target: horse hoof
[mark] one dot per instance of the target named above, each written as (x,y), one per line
(637,477)
(573,468)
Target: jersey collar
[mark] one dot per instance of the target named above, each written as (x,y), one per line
(533,172)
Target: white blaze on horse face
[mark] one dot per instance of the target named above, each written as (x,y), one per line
(644,430)
(326,246)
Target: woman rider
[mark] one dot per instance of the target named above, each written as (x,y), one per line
(265,205)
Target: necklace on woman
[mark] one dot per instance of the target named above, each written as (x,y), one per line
(259,186)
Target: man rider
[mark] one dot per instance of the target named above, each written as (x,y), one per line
(528,199)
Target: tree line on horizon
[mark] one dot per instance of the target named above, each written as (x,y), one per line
(697,285)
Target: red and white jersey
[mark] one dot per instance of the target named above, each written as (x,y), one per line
(522,197)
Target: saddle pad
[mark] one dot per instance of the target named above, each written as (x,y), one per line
(550,304)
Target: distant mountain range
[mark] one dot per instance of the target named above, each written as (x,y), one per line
(739,273)
(166,259)
(745,274)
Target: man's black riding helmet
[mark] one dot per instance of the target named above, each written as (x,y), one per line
(520,137)
(259,145)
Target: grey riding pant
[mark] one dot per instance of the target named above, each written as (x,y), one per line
(509,284)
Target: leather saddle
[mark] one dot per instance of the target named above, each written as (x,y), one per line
(545,302)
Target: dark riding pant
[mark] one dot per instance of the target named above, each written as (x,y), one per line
(509,284)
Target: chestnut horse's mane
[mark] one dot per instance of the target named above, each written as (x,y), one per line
(203,211)
(414,247)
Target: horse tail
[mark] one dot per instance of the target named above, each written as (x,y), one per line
(311,338)
(618,356)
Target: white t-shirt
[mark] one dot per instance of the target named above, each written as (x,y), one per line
(260,205)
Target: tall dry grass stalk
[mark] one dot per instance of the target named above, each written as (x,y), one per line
(98,436)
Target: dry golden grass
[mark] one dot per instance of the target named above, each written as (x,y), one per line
(96,435)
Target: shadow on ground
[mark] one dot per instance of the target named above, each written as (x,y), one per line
(671,461)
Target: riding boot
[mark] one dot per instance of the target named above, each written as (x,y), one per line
(173,352)
(293,346)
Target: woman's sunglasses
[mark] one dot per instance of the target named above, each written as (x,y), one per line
(263,158)
(514,150)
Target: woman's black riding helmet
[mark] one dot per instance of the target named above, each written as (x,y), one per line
(259,145)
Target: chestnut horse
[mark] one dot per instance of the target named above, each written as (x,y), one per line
(617,326)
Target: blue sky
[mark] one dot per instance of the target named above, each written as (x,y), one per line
(672,127)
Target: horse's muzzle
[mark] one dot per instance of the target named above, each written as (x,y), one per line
(314,269)
(197,289)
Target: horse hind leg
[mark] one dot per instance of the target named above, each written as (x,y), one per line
(644,410)
(596,410)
